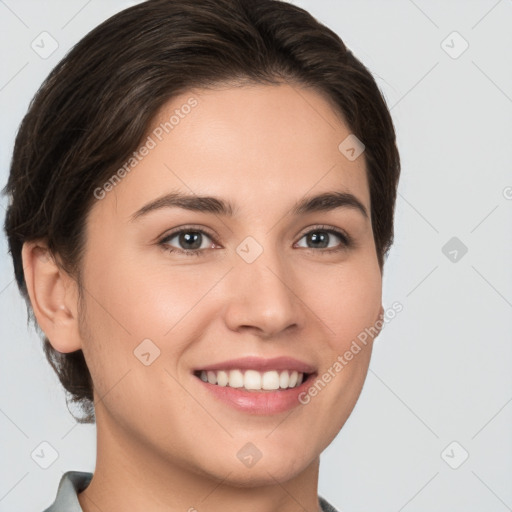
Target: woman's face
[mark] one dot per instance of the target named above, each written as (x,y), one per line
(261,281)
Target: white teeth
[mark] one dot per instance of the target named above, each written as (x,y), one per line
(222,378)
(284,379)
(270,380)
(236,379)
(253,380)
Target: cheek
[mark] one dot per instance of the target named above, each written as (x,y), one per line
(350,308)
(129,303)
(139,301)
(347,300)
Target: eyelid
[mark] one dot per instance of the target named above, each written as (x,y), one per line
(326,227)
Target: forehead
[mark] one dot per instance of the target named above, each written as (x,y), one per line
(252,143)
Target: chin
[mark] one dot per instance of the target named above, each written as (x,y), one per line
(278,465)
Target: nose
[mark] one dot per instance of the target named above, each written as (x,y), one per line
(262,298)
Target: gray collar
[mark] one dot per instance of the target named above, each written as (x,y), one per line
(71,483)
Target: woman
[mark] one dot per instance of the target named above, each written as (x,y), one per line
(202,198)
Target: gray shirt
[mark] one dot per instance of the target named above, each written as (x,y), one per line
(74,482)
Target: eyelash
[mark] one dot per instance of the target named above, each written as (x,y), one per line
(346,240)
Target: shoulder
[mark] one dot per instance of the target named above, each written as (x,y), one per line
(66,499)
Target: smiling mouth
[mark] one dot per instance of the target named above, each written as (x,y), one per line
(253,380)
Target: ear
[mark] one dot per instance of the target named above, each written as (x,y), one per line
(53,296)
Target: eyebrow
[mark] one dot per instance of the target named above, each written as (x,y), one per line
(326,201)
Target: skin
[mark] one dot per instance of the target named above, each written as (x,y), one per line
(164,442)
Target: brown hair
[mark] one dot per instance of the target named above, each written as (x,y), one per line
(96,105)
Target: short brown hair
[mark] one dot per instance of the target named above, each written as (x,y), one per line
(96,105)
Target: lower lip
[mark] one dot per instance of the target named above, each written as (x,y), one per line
(259,402)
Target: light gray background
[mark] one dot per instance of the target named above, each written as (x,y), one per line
(441,370)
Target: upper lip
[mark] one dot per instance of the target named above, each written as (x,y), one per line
(261,364)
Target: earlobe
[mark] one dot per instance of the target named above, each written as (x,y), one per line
(53,297)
